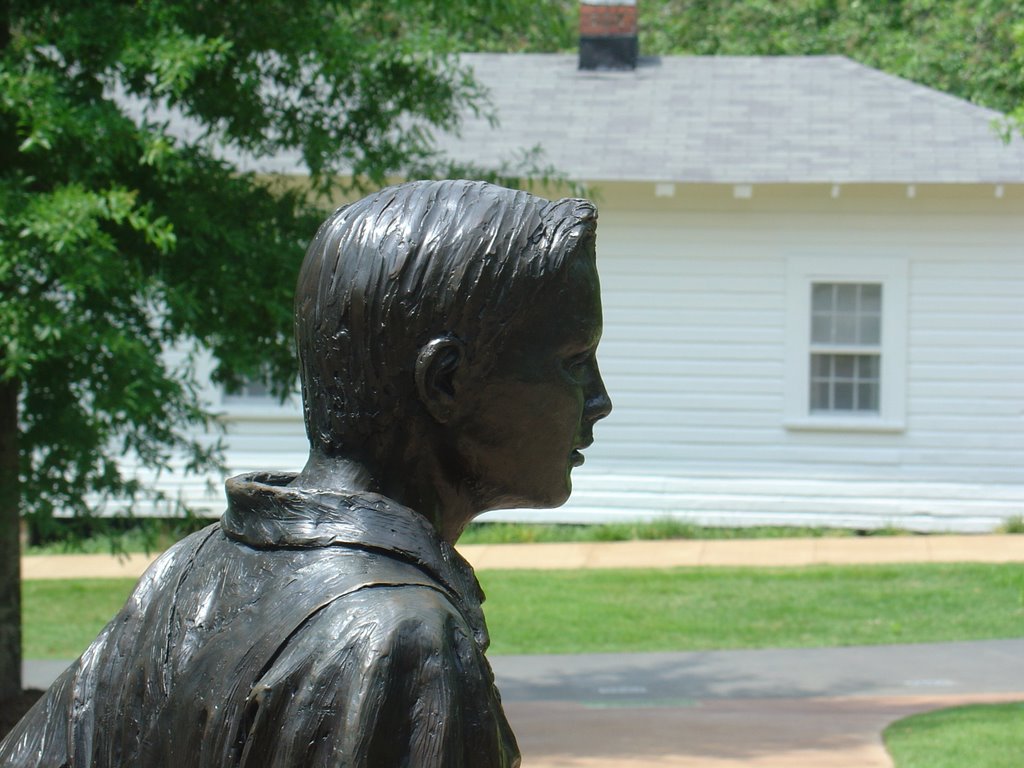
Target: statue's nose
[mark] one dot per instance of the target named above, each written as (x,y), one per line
(598,404)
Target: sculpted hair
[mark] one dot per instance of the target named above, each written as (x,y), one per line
(411,263)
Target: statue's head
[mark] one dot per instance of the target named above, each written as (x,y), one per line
(435,302)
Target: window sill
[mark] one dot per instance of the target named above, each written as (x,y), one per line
(844,424)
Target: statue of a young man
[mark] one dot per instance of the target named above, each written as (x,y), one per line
(447,335)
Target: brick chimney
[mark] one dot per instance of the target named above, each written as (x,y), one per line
(608,36)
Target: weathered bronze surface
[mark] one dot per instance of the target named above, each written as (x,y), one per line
(447,334)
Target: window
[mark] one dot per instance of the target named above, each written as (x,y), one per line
(846,344)
(254,391)
(846,332)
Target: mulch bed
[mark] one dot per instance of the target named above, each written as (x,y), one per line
(13,710)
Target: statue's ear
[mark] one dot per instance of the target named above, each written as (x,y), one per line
(436,365)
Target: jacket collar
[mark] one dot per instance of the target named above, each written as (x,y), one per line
(265,511)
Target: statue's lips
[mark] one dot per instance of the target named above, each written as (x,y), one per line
(576,457)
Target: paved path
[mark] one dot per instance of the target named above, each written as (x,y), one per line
(782,733)
(803,708)
(641,554)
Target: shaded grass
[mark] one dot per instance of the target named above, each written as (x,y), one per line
(1013,524)
(585,611)
(111,536)
(667,528)
(981,736)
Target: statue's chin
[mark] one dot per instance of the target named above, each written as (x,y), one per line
(549,499)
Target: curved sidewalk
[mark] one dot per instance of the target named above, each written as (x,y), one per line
(640,554)
(771,708)
(789,708)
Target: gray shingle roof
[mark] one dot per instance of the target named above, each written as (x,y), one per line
(734,119)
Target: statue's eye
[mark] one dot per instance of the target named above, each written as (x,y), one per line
(577,364)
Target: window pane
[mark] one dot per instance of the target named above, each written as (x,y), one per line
(846,329)
(870,329)
(868,368)
(253,390)
(871,298)
(867,397)
(821,329)
(844,383)
(819,397)
(821,366)
(845,366)
(846,313)
(843,393)
(821,297)
(846,297)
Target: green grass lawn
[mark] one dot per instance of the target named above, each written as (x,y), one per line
(61,617)
(583,611)
(707,608)
(982,736)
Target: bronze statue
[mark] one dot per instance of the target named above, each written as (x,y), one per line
(446,334)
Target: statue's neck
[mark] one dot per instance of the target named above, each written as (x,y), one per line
(420,487)
(332,473)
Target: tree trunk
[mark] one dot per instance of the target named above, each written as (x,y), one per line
(10,520)
(5,23)
(10,545)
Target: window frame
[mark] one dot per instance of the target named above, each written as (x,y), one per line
(245,397)
(802,273)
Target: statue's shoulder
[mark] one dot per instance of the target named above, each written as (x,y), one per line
(407,623)
(176,559)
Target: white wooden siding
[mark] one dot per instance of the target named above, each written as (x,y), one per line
(693,356)
(694,330)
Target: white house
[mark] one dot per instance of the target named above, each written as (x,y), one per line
(813,280)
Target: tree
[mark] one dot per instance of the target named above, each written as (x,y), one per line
(119,241)
(969,48)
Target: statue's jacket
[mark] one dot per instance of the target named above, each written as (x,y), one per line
(306,629)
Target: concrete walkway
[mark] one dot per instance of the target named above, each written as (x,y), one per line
(799,708)
(777,708)
(639,554)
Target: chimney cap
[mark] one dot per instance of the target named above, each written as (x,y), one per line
(608,35)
